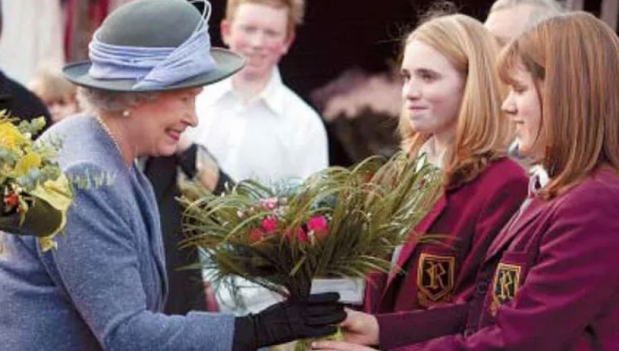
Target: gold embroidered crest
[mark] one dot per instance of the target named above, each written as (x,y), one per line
(435,278)
(506,282)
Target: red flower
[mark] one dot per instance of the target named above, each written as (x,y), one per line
(269,224)
(319,225)
(11,200)
(256,235)
(302,235)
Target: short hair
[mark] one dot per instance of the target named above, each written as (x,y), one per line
(98,100)
(576,58)
(50,85)
(482,133)
(296,10)
(543,9)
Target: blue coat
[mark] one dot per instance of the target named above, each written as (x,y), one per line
(105,286)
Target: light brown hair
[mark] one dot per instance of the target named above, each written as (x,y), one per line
(482,133)
(575,57)
(296,10)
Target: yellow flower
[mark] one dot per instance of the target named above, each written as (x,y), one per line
(26,163)
(10,136)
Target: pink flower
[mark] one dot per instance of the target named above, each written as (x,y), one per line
(269,224)
(302,235)
(270,203)
(256,235)
(319,225)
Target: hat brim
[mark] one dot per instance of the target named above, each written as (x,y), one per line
(228,63)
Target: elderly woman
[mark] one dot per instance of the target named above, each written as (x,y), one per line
(104,286)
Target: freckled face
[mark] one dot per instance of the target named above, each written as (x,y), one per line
(432,89)
(259,34)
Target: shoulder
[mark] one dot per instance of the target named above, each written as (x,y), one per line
(501,173)
(83,143)
(597,196)
(294,103)
(584,220)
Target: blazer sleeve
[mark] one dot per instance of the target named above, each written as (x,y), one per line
(573,280)
(97,265)
(402,328)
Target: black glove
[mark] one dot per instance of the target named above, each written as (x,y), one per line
(287,321)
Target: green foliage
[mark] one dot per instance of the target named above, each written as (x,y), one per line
(338,223)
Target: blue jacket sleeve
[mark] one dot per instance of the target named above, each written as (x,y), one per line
(98,265)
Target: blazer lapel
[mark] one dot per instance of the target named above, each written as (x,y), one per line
(422,228)
(516,224)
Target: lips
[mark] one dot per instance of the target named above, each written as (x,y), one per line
(174,134)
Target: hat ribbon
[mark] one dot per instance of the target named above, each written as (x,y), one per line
(153,67)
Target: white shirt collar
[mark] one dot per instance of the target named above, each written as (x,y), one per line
(272,94)
(538,179)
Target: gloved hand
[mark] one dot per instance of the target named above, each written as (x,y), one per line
(287,321)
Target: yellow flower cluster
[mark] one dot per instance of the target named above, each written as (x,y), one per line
(35,194)
(10,136)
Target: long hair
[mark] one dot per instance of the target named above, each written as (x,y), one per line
(482,132)
(574,60)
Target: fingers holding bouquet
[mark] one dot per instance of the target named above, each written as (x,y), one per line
(329,345)
(325,234)
(316,316)
(360,328)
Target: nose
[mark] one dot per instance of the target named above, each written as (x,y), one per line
(257,40)
(192,118)
(508,106)
(411,91)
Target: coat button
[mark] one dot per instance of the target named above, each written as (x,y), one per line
(468,332)
(482,287)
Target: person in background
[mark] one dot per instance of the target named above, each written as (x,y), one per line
(253,124)
(549,280)
(105,285)
(507,19)
(452,116)
(19,101)
(57,93)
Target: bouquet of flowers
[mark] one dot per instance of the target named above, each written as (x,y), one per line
(342,223)
(35,195)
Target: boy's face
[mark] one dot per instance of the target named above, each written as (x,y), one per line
(259,34)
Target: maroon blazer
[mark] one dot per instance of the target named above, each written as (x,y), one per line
(550,282)
(443,270)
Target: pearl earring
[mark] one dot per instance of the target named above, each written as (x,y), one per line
(126,113)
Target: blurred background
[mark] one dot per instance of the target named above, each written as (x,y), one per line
(343,61)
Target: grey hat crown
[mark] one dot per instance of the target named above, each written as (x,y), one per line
(152,24)
(140,23)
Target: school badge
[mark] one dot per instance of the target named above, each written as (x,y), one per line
(506,283)
(435,278)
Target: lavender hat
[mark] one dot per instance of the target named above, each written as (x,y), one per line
(153,45)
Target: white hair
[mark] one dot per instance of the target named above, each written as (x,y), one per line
(96,100)
(542,9)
